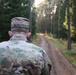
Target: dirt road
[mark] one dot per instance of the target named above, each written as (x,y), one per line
(60,65)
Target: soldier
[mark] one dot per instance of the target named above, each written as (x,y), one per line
(18,57)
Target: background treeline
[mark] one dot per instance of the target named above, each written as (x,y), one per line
(14,8)
(52,17)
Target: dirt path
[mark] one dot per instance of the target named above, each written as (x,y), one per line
(60,64)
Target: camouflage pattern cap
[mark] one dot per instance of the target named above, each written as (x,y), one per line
(19,22)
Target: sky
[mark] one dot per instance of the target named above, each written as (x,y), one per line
(37,2)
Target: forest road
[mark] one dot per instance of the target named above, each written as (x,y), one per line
(60,65)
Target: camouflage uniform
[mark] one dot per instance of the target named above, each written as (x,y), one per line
(18,57)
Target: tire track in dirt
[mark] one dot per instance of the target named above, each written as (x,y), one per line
(60,65)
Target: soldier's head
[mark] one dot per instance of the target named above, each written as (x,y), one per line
(19,25)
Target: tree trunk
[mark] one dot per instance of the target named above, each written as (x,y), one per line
(68,19)
(30,15)
(59,18)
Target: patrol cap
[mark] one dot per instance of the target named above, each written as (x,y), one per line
(19,22)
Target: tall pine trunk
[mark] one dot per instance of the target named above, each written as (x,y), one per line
(59,2)
(30,15)
(68,22)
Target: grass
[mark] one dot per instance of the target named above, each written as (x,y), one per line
(71,55)
(35,39)
(62,45)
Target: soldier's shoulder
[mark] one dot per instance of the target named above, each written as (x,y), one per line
(3,44)
(37,48)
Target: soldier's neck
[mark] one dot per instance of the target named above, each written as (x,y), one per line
(19,37)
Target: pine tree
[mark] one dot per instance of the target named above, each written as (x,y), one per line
(8,10)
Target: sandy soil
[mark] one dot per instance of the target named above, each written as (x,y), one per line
(60,65)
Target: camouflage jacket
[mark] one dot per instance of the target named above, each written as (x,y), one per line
(17,57)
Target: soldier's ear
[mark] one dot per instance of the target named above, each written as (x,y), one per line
(28,35)
(10,33)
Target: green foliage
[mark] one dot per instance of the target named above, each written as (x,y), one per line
(55,23)
(72,20)
(71,55)
(62,29)
(10,9)
(35,40)
(63,20)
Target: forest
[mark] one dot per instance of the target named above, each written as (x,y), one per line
(57,17)
(14,8)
